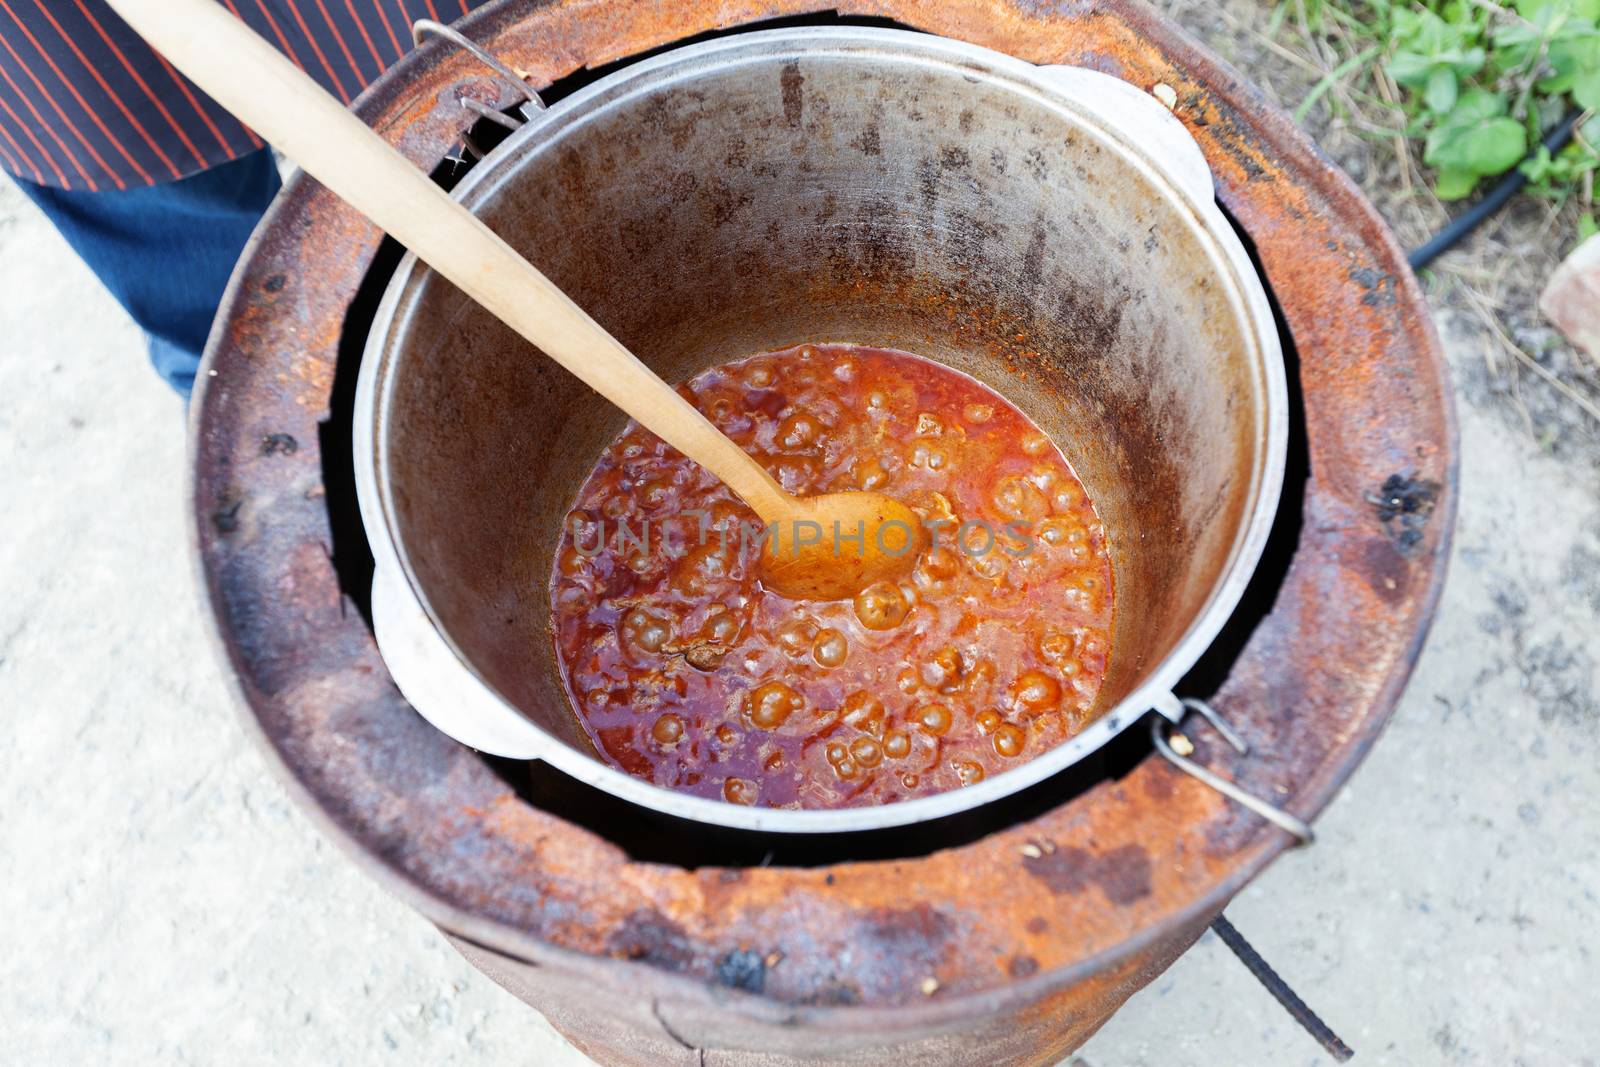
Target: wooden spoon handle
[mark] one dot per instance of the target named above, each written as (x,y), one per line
(251,79)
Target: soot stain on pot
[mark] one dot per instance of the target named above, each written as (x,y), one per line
(682,185)
(955,166)
(870,142)
(1095,323)
(927,193)
(1032,275)
(572,174)
(793,83)
(968,235)
(679,118)
(724,201)
(1123,874)
(878,253)
(638,236)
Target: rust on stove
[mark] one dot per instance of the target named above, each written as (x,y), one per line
(995,944)
(1123,874)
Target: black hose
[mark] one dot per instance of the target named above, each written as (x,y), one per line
(1280,990)
(1508,186)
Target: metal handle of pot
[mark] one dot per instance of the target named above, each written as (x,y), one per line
(532,104)
(437,684)
(1159,727)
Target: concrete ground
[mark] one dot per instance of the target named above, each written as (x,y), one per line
(161,901)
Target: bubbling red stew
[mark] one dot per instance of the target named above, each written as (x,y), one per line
(686,672)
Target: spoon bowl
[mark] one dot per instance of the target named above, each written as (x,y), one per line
(836,545)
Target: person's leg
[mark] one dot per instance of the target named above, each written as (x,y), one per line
(166,251)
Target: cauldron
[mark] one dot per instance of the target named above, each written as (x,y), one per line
(1050,230)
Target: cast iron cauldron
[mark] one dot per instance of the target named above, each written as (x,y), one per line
(1050,230)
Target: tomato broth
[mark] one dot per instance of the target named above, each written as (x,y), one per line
(685,671)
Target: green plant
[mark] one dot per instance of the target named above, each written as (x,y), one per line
(1478,82)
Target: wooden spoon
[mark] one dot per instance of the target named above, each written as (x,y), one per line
(246,75)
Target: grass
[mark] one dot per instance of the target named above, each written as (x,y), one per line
(1331,63)
(1462,89)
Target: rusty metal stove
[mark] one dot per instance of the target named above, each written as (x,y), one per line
(1005,940)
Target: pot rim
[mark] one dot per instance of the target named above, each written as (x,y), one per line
(400,603)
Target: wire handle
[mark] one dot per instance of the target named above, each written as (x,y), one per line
(1273,814)
(422,29)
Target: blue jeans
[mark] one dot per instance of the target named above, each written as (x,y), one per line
(166,251)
